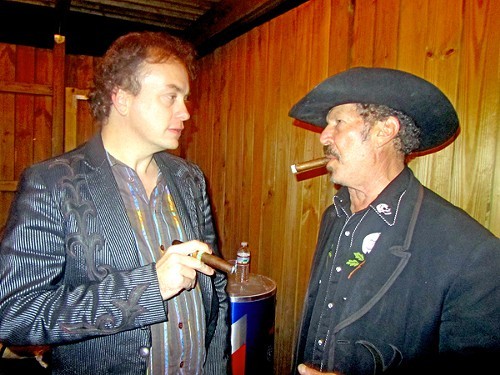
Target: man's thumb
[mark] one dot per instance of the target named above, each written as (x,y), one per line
(302,369)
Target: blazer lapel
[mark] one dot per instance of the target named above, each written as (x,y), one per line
(393,256)
(113,217)
(182,190)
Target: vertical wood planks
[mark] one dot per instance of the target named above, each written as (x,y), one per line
(241,136)
(24,104)
(304,46)
(59,52)
(42,133)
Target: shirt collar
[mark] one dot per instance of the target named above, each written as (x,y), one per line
(113,162)
(386,205)
(111,159)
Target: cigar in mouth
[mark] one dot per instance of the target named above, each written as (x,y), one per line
(309,165)
(212,260)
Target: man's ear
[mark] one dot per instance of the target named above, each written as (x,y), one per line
(386,130)
(120,101)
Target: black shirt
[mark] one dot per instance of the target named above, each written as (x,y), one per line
(349,247)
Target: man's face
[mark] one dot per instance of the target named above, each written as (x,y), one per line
(347,141)
(157,113)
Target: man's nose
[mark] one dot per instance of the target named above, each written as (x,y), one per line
(183,113)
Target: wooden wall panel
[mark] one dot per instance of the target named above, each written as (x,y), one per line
(24,104)
(270,262)
(454,44)
(32,103)
(441,67)
(476,185)
(79,71)
(256,132)
(7,74)
(26,75)
(58,104)
(7,118)
(300,205)
(42,132)
(241,136)
(78,124)
(386,34)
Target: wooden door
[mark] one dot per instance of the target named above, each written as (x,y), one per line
(78,124)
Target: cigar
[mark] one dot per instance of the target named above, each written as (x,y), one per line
(212,260)
(308,165)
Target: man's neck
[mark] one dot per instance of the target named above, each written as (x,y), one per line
(362,196)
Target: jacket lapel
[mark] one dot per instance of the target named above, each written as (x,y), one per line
(113,217)
(182,189)
(393,254)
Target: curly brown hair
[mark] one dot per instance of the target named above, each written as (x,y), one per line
(408,138)
(121,66)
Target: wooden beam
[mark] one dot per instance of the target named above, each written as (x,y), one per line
(59,57)
(8,185)
(62,12)
(25,88)
(231,18)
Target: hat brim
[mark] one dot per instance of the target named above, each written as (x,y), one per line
(431,110)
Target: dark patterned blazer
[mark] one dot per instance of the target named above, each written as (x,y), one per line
(70,274)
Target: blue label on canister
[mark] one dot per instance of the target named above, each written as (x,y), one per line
(252,325)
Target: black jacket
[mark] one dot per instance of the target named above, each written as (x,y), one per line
(427,299)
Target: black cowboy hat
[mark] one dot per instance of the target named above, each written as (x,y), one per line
(422,101)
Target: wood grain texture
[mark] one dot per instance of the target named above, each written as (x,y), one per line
(242,138)
(453,44)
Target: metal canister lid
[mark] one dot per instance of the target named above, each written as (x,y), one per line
(257,287)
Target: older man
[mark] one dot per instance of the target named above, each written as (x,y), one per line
(402,281)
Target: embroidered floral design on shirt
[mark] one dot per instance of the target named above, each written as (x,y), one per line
(359,257)
(358,261)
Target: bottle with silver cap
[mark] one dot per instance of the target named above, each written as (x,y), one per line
(243,262)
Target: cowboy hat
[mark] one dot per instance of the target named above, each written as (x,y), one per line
(431,110)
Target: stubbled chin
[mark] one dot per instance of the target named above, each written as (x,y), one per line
(172,144)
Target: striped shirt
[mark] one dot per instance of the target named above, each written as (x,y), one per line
(178,345)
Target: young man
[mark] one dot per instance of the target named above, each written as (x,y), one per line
(402,281)
(86,263)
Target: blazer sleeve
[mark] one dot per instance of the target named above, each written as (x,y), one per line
(52,290)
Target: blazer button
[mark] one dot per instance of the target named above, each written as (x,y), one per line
(144,351)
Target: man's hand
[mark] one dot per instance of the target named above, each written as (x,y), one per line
(304,370)
(177,270)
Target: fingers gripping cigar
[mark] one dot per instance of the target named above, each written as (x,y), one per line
(308,165)
(211,260)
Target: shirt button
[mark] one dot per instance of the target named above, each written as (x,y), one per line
(338,269)
(320,342)
(180,325)
(181,365)
(344,298)
(330,305)
(347,233)
(320,282)
(144,351)
(131,179)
